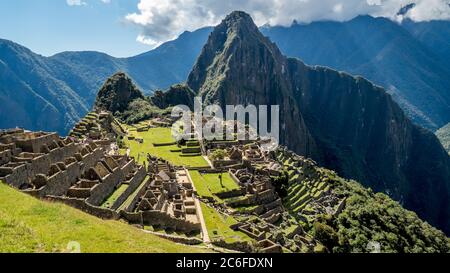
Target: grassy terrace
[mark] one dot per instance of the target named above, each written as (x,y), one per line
(218,226)
(30,225)
(113,198)
(133,195)
(208,185)
(172,153)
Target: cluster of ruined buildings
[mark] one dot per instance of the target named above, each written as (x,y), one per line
(257,205)
(262,214)
(85,170)
(84,174)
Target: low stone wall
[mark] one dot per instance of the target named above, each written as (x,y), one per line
(178,239)
(157,218)
(160,219)
(274,204)
(225,163)
(5,157)
(230,194)
(80,204)
(128,167)
(163,144)
(247,201)
(202,169)
(238,246)
(133,218)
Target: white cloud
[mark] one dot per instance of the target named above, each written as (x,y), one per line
(163,20)
(76,3)
(83,3)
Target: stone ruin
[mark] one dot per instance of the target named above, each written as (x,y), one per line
(169,195)
(82,173)
(97,126)
(260,211)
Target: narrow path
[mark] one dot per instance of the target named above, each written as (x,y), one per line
(209,161)
(205,234)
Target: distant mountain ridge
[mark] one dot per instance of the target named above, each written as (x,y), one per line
(385,52)
(53,93)
(410,60)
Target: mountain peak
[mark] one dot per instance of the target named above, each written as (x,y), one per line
(238,22)
(117,92)
(232,42)
(239,17)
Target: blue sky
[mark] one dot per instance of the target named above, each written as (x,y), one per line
(124,28)
(51,26)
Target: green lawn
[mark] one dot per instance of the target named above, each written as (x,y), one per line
(113,198)
(161,135)
(209,184)
(30,225)
(219,226)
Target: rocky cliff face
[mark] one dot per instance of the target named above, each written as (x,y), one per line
(117,93)
(238,66)
(345,123)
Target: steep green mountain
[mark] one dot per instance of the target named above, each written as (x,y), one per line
(119,95)
(408,64)
(53,93)
(31,96)
(346,123)
(444,136)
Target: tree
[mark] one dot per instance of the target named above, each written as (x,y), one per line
(218,155)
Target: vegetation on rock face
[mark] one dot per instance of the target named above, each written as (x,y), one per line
(444,136)
(365,220)
(281,184)
(117,93)
(139,110)
(374,217)
(121,97)
(176,95)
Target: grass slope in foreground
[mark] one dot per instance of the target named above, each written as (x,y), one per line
(29,225)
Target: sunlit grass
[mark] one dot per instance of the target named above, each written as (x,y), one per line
(170,153)
(31,225)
